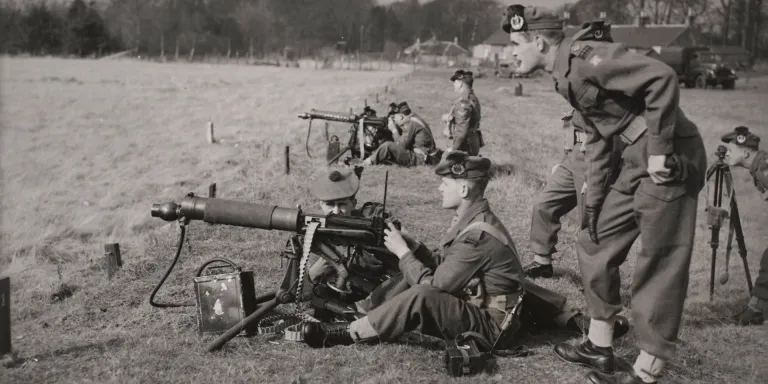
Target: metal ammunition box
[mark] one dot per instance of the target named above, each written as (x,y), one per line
(464,358)
(224,300)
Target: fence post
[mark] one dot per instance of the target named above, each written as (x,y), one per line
(287,159)
(114,260)
(209,132)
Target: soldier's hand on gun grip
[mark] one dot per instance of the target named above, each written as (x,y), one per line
(395,242)
(591,212)
(658,172)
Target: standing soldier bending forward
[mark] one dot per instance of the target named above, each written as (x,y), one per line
(611,87)
(467,286)
(415,146)
(463,121)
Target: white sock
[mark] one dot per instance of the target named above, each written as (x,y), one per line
(757,304)
(601,332)
(543,259)
(361,329)
(648,367)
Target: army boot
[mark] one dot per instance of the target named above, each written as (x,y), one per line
(629,377)
(748,316)
(535,270)
(579,324)
(588,355)
(320,335)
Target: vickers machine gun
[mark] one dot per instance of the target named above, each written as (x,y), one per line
(316,233)
(366,132)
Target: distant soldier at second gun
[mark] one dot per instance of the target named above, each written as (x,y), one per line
(413,145)
(462,123)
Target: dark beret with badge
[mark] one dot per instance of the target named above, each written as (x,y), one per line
(743,137)
(465,76)
(337,185)
(460,165)
(520,18)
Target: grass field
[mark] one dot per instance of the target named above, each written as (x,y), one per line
(88,147)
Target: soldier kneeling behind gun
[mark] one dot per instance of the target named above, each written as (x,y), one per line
(469,284)
(413,142)
(336,193)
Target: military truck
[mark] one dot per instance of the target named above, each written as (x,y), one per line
(697,66)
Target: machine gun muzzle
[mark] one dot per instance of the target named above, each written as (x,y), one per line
(229,212)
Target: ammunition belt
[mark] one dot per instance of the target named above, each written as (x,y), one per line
(271,325)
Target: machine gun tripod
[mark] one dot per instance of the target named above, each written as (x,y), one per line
(717,214)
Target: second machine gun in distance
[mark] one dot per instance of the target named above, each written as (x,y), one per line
(366,133)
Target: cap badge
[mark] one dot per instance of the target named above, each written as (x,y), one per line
(516,22)
(458,169)
(741,139)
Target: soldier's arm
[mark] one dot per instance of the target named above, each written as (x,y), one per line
(460,263)
(405,140)
(613,68)
(461,116)
(761,179)
(598,156)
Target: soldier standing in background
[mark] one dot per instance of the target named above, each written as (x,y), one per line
(462,123)
(611,87)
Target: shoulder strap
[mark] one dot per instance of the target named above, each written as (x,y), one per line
(490,229)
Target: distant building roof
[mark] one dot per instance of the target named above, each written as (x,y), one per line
(633,36)
(436,47)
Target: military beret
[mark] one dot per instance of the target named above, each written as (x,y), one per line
(460,165)
(335,186)
(462,75)
(403,108)
(742,136)
(519,18)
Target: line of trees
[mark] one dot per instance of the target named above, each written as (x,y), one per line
(258,27)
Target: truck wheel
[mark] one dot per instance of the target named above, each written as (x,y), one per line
(728,84)
(701,82)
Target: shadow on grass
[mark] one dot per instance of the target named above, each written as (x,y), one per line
(74,351)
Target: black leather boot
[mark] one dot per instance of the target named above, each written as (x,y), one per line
(319,335)
(535,270)
(629,377)
(588,355)
(748,317)
(579,324)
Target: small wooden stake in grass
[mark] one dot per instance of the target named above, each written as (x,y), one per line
(377,97)
(211,138)
(287,159)
(212,191)
(519,89)
(5,316)
(386,89)
(114,261)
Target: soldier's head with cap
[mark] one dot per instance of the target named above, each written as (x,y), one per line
(462,80)
(464,178)
(401,112)
(742,146)
(337,190)
(535,33)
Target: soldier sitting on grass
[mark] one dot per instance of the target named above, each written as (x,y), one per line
(414,146)
(467,285)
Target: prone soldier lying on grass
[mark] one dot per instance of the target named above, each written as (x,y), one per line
(468,285)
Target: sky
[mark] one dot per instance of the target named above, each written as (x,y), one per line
(542,3)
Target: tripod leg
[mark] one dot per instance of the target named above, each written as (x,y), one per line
(728,247)
(736,220)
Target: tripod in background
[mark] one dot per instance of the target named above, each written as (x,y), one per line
(717,214)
